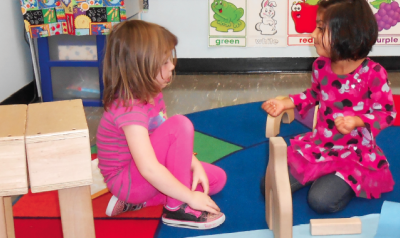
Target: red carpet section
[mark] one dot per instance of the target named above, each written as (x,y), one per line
(38,216)
(51,228)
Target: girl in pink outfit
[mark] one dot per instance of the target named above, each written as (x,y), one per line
(146,158)
(340,157)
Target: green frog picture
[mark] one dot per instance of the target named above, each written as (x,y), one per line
(227,16)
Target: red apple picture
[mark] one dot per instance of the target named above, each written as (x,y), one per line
(304,16)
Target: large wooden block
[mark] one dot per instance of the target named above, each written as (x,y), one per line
(278,196)
(76,212)
(58,146)
(337,226)
(13,171)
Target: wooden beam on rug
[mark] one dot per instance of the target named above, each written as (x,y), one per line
(278,196)
(336,226)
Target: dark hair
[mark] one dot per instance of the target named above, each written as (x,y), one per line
(352,27)
(135,52)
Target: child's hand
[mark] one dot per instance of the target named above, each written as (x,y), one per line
(202,202)
(200,176)
(274,107)
(345,124)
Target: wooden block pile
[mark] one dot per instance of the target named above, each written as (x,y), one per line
(53,140)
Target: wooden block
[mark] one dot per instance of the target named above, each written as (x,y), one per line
(278,196)
(3,223)
(9,217)
(58,146)
(6,218)
(76,212)
(13,171)
(340,226)
(274,123)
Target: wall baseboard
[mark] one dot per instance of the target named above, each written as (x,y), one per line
(261,65)
(25,95)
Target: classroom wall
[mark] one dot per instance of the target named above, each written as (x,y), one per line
(15,58)
(188,20)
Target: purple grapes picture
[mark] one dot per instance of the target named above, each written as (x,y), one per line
(388,14)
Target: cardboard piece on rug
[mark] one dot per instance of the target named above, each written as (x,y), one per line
(338,226)
(278,202)
(274,123)
(98,187)
(389,221)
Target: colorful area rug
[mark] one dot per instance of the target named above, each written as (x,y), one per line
(234,139)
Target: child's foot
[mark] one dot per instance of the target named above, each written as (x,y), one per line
(186,217)
(116,207)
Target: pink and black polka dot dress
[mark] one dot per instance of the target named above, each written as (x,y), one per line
(354,157)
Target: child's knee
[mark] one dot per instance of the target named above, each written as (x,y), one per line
(184,123)
(322,204)
(221,179)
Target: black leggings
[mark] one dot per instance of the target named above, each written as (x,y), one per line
(328,194)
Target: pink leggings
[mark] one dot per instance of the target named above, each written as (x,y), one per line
(173,145)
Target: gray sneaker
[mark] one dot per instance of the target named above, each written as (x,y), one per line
(186,217)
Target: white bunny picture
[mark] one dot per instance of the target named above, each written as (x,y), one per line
(268,24)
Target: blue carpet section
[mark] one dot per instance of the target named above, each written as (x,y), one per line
(241,200)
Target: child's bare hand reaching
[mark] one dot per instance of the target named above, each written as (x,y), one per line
(346,124)
(202,202)
(274,107)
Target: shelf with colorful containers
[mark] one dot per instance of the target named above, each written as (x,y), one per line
(71,37)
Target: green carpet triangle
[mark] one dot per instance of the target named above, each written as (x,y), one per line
(210,149)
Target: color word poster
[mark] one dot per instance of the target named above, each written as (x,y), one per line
(301,21)
(387,14)
(227,23)
(44,18)
(266,23)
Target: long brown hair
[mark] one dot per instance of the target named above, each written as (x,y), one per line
(135,52)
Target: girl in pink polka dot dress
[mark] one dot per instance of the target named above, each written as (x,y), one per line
(340,157)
